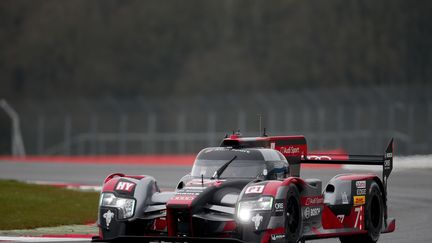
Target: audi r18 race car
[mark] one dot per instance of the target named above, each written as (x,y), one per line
(249,189)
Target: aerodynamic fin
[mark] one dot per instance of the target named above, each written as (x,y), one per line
(385,160)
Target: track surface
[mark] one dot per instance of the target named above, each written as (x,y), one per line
(410,191)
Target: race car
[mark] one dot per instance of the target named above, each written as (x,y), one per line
(249,189)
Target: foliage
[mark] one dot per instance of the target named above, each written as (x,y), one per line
(52,49)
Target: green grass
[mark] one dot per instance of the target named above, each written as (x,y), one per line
(27,206)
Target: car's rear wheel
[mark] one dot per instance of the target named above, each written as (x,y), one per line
(293,220)
(373,217)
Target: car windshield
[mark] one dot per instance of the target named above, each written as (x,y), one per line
(237,169)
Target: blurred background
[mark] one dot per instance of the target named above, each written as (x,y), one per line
(151,77)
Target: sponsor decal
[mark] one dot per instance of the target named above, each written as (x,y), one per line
(359,200)
(319,157)
(289,150)
(189,192)
(361,192)
(279,206)
(312,201)
(278,236)
(311,212)
(387,163)
(125,186)
(344,198)
(254,189)
(361,184)
(341,218)
(257,220)
(358,221)
(184,198)
(226,149)
(108,217)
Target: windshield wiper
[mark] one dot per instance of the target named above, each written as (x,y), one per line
(219,171)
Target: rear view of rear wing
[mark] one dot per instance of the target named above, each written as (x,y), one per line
(386,160)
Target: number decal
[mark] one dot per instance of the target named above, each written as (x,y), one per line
(358,211)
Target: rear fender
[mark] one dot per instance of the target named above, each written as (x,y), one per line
(344,189)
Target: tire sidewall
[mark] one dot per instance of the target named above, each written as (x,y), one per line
(374,231)
(293,193)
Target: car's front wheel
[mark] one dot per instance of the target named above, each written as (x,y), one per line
(293,217)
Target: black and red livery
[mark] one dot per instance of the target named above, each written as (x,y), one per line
(249,189)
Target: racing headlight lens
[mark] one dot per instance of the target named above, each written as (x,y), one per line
(245,208)
(125,206)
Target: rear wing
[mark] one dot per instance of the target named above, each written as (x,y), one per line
(385,160)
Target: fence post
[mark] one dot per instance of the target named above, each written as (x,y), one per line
(67,135)
(94,127)
(288,122)
(340,126)
(360,142)
(429,124)
(17,143)
(122,133)
(181,129)
(211,128)
(151,129)
(41,134)
(321,127)
(271,125)
(410,144)
(241,121)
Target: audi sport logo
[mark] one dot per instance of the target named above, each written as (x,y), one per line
(290,150)
(312,200)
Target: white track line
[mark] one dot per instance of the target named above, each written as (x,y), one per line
(40,239)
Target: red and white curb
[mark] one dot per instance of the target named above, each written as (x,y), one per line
(74,186)
(42,239)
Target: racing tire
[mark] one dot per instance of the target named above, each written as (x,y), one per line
(373,218)
(293,220)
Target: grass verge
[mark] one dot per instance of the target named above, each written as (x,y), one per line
(27,206)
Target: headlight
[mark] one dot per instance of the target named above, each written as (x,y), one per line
(245,208)
(125,206)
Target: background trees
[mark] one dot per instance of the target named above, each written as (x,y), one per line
(57,49)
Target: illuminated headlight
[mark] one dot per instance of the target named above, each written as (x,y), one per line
(125,206)
(245,208)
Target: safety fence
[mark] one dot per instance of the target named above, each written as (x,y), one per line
(360,120)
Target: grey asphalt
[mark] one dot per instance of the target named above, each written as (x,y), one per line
(410,191)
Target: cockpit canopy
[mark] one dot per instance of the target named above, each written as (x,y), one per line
(249,163)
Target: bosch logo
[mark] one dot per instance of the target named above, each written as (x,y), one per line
(307,213)
(311,212)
